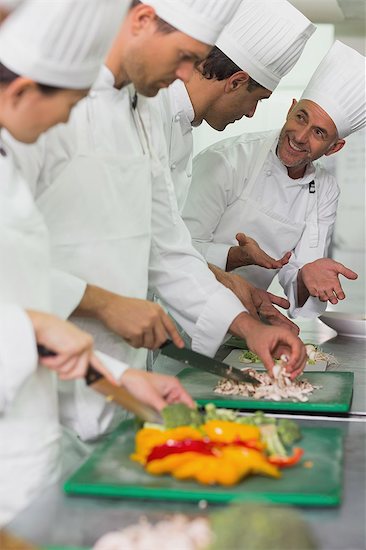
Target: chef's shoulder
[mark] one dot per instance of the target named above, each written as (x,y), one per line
(326,181)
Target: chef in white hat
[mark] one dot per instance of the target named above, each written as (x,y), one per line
(49,57)
(103,184)
(269,186)
(259,46)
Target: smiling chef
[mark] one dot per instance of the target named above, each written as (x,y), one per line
(268,185)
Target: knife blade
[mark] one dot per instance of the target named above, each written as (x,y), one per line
(197,360)
(111,392)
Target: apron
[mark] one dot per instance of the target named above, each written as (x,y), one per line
(94,236)
(263,224)
(29,427)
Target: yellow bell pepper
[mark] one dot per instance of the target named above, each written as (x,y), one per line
(227,432)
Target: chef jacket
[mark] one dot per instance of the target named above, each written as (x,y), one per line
(29,428)
(111,210)
(177,115)
(240,185)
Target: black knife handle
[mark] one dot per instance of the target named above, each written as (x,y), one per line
(166,343)
(91,376)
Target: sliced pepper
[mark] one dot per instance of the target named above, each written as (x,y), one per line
(227,432)
(176,447)
(287,461)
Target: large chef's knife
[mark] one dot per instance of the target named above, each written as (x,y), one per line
(111,392)
(197,360)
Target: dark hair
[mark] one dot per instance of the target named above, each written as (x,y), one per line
(162,26)
(7,76)
(219,66)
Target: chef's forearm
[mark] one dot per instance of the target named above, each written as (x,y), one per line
(235,258)
(93,303)
(302,292)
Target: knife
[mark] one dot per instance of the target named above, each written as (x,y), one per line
(111,392)
(197,360)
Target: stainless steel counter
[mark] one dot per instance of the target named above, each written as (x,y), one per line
(55,519)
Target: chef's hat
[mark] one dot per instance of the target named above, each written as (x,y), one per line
(338,86)
(60,43)
(200,19)
(265,38)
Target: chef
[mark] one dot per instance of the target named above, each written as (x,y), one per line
(269,186)
(258,47)
(29,428)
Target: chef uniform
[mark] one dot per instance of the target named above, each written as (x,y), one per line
(110,207)
(240,185)
(265,39)
(34,41)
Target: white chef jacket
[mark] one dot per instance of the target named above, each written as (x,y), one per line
(104,125)
(177,115)
(227,197)
(29,428)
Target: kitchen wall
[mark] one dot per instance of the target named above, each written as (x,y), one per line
(348,165)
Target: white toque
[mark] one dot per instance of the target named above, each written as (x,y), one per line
(338,86)
(265,38)
(60,43)
(200,19)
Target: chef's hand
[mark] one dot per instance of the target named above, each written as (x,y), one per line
(250,253)
(141,323)
(321,280)
(73,347)
(256,300)
(156,390)
(271,342)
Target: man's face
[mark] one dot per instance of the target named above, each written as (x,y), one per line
(308,134)
(27,112)
(234,104)
(157,59)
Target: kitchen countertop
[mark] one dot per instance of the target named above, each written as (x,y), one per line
(60,520)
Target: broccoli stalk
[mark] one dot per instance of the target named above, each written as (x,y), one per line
(271,439)
(180,415)
(288,431)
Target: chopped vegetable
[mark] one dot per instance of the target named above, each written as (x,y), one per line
(285,461)
(179,414)
(249,357)
(288,431)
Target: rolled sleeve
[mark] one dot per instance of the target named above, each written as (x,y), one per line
(66,292)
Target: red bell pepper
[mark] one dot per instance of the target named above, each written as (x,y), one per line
(185,446)
(286,461)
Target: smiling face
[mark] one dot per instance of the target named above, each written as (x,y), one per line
(308,134)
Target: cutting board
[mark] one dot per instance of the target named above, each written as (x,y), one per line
(235,354)
(335,396)
(109,472)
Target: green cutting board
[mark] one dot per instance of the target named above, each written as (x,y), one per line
(109,472)
(335,396)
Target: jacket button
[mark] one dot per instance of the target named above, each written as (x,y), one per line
(173,166)
(177,118)
(269,173)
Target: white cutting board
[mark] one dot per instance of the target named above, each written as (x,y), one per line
(233,360)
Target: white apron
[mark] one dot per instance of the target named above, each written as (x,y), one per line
(87,210)
(29,428)
(264,225)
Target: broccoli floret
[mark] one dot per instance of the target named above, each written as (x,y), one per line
(258,419)
(272,440)
(288,431)
(212,413)
(260,527)
(180,415)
